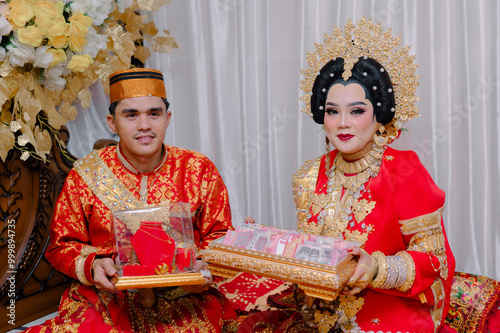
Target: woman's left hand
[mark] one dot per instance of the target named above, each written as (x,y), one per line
(366,270)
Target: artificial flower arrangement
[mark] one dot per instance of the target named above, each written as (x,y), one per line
(52,51)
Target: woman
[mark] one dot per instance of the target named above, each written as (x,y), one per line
(360,85)
(366,192)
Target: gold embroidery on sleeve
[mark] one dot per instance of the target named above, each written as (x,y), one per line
(430,241)
(80,264)
(421,223)
(428,237)
(437,310)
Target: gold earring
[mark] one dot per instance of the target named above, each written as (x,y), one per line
(379,138)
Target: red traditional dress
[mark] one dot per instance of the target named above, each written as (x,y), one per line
(103,182)
(397,212)
(388,202)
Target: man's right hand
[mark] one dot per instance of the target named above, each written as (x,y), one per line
(103,270)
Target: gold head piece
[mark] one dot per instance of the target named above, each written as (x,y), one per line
(367,38)
(136,82)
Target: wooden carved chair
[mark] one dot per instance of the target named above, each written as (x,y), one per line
(30,286)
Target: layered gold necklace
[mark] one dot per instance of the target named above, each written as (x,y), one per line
(336,207)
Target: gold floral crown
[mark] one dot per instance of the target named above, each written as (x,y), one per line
(367,38)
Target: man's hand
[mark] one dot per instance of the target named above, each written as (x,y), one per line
(104,270)
(201,266)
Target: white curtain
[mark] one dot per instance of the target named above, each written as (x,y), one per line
(234,93)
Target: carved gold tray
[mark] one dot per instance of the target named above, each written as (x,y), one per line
(154,281)
(316,280)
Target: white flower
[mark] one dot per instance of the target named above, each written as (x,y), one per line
(78,6)
(23,140)
(122,4)
(42,57)
(52,78)
(14,126)
(99,10)
(5,26)
(4,9)
(25,155)
(3,53)
(20,54)
(398,124)
(95,42)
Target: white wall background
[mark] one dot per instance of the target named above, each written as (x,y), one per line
(234,93)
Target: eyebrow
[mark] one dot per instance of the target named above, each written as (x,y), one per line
(154,109)
(350,104)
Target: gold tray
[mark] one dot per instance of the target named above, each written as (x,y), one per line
(154,281)
(316,280)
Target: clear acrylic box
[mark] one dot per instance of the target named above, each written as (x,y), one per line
(155,247)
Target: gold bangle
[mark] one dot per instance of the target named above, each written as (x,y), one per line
(392,272)
(381,277)
(410,271)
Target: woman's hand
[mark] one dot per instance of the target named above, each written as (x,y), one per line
(366,270)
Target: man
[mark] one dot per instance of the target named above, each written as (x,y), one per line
(140,172)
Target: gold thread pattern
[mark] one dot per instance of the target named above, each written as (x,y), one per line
(80,264)
(421,223)
(429,241)
(136,82)
(437,310)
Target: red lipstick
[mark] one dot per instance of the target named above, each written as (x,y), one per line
(345,137)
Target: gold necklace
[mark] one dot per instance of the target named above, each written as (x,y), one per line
(359,165)
(143,228)
(336,207)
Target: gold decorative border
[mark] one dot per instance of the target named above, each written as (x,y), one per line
(80,264)
(155,281)
(316,280)
(421,223)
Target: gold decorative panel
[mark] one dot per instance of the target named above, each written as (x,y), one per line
(316,280)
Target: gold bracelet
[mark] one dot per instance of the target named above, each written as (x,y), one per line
(381,277)
(392,272)
(410,271)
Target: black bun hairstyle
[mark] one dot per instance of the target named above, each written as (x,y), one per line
(369,74)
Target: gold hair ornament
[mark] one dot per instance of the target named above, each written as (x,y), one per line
(367,38)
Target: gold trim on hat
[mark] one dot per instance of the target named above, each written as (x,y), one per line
(136,82)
